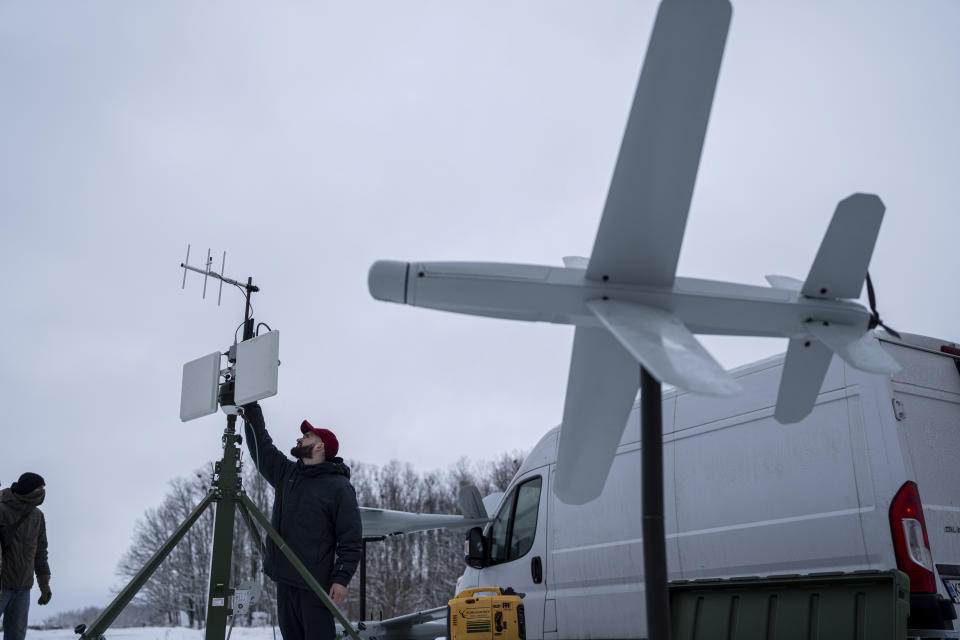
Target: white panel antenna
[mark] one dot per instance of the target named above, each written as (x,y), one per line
(198,391)
(256,368)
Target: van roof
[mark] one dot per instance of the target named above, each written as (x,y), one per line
(545,449)
(913,340)
(917,341)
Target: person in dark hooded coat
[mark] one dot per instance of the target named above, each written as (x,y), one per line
(315,511)
(23,552)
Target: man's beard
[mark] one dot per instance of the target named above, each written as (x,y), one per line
(302,451)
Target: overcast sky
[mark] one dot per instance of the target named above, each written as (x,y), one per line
(310,139)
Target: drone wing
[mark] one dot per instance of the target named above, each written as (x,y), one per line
(603,382)
(419,625)
(601,388)
(378,523)
(664,346)
(638,241)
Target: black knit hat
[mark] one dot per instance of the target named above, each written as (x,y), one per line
(28,482)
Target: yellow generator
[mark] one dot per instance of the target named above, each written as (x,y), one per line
(493,617)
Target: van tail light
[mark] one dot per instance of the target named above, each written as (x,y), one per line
(910,542)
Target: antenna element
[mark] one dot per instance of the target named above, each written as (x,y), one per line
(208,272)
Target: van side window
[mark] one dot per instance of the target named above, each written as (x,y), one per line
(525,518)
(515,526)
(500,528)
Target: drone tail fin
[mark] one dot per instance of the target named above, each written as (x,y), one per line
(471,504)
(840,267)
(803,372)
(838,271)
(858,349)
(808,359)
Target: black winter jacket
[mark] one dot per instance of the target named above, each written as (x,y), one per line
(314,510)
(25,548)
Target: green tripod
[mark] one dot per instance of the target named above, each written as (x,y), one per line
(228,494)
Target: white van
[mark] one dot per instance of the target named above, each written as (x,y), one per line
(747,496)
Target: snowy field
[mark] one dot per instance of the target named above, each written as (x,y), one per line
(173,633)
(157,633)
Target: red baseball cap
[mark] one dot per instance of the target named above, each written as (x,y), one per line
(330,443)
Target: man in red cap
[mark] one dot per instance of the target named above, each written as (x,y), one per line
(315,511)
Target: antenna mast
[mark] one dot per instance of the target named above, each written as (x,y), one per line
(226,490)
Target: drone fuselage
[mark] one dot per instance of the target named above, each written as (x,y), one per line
(560,295)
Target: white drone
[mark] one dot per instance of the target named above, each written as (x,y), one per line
(626,302)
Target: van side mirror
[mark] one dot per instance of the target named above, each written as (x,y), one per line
(475,548)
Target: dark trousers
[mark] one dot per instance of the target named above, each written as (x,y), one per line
(302,615)
(14,605)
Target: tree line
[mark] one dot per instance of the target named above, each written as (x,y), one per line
(404,573)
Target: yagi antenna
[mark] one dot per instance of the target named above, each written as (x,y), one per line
(208,272)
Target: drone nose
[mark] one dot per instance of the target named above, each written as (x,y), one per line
(388,280)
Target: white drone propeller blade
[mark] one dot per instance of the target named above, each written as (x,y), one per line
(804,368)
(841,264)
(601,388)
(664,346)
(645,214)
(859,349)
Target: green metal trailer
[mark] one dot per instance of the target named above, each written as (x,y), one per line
(863,605)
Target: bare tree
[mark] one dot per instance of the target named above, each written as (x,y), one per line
(405,573)
(419,570)
(179,583)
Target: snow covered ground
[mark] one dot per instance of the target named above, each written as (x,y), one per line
(183,633)
(157,633)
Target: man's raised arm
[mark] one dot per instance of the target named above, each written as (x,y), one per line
(269,460)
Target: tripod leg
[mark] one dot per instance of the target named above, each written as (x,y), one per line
(363,579)
(95,631)
(254,533)
(248,505)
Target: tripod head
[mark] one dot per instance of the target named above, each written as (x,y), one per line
(225,397)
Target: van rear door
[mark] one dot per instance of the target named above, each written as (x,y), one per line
(755,497)
(926,398)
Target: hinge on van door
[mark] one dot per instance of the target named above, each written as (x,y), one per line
(898,410)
